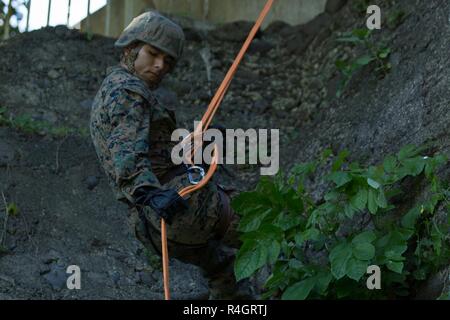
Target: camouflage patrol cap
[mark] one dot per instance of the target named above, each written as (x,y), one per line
(155,30)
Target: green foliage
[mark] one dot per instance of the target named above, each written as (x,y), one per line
(28,125)
(374,54)
(323,249)
(360,6)
(89,36)
(12,210)
(153,260)
(395,18)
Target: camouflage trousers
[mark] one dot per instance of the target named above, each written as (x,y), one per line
(203,236)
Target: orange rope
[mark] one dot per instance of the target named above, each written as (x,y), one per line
(165,255)
(200,129)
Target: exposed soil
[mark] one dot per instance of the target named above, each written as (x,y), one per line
(67,213)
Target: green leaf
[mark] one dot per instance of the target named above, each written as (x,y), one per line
(340,160)
(409,219)
(269,192)
(274,249)
(323,281)
(406,152)
(389,164)
(339,257)
(395,252)
(356,269)
(414,166)
(269,231)
(246,201)
(402,235)
(341,64)
(349,210)
(429,169)
(300,290)
(331,196)
(364,237)
(12,210)
(287,221)
(364,251)
(309,234)
(371,201)
(326,154)
(349,38)
(304,169)
(381,199)
(384,53)
(340,178)
(440,159)
(437,236)
(360,199)
(249,259)
(364,60)
(435,162)
(252,220)
(362,33)
(294,203)
(295,264)
(278,278)
(395,266)
(373,183)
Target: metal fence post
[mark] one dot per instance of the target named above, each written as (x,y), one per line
(88,17)
(108,18)
(68,13)
(28,15)
(49,11)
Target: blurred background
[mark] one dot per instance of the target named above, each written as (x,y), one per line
(110,17)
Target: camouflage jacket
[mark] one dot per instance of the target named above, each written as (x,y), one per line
(131,133)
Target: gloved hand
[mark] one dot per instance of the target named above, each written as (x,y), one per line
(166,203)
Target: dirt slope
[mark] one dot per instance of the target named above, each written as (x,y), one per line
(67,213)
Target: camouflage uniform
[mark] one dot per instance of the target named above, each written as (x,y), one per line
(131,132)
(126,119)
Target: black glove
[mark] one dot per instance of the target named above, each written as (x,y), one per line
(166,203)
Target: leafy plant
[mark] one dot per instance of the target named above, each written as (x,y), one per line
(89,36)
(322,249)
(28,125)
(360,6)
(12,210)
(395,18)
(153,260)
(374,54)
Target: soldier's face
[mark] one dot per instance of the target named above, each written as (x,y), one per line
(152,65)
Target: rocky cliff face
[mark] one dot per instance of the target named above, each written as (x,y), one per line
(67,214)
